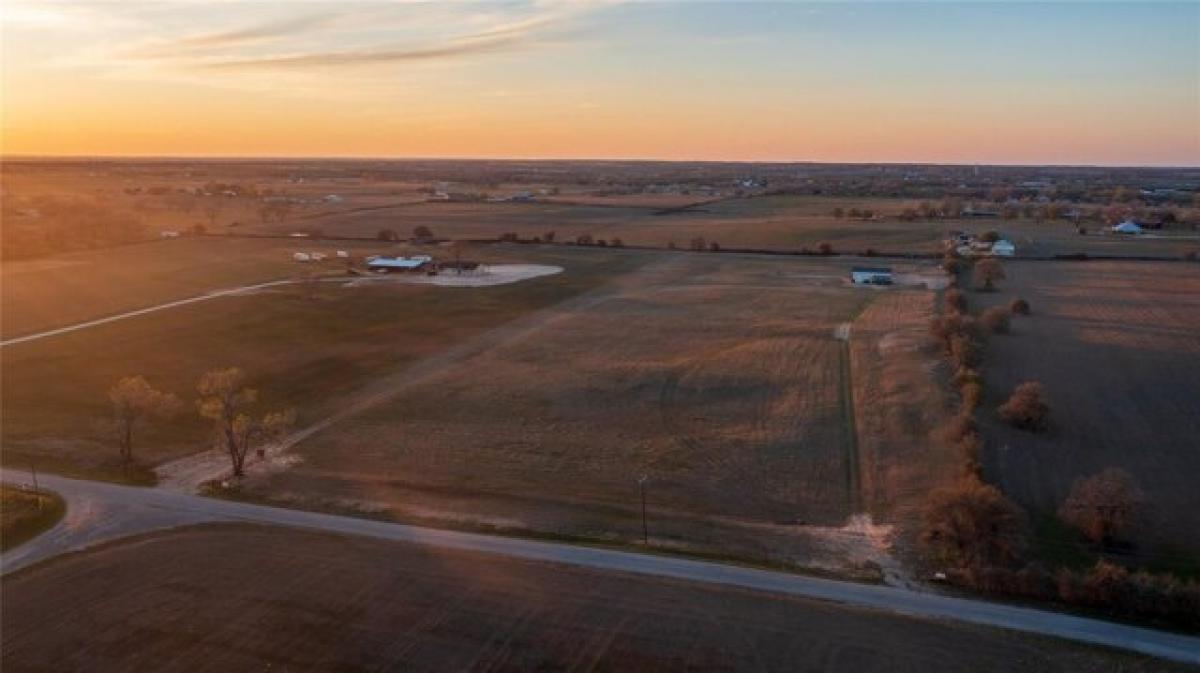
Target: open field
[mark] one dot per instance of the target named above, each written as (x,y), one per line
(763,222)
(24,514)
(1117,346)
(296,600)
(74,287)
(718,377)
(302,346)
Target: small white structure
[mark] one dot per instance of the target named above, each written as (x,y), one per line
(1003,248)
(333,198)
(169,233)
(1127,227)
(342,254)
(298,234)
(301,257)
(390,264)
(871,275)
(317,256)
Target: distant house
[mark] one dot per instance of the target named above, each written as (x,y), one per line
(971,211)
(399,264)
(302,257)
(1003,248)
(1127,227)
(871,275)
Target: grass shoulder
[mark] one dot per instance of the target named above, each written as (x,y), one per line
(25,514)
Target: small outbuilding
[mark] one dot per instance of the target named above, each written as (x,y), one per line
(398,264)
(1127,227)
(871,275)
(1003,248)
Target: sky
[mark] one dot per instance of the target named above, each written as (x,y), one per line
(1104,83)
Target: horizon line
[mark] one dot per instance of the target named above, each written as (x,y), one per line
(23,156)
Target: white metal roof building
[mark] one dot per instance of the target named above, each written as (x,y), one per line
(398,263)
(1003,248)
(871,275)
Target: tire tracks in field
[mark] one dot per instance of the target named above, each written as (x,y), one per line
(850,432)
(189,472)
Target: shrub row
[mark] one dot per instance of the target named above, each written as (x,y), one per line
(1106,587)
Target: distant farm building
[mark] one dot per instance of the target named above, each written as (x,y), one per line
(302,257)
(1003,248)
(871,275)
(1127,227)
(400,264)
(169,233)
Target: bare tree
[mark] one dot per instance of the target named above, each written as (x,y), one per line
(972,525)
(134,399)
(224,399)
(988,271)
(1103,506)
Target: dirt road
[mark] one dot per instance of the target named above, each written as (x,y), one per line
(100,511)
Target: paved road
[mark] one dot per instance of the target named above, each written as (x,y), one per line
(99,511)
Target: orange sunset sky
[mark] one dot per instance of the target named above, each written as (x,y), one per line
(1073,83)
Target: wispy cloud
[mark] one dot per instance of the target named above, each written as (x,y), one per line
(219,50)
(479,43)
(258,33)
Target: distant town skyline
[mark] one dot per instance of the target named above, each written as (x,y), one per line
(964,83)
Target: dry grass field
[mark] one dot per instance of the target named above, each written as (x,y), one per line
(73,287)
(1117,346)
(718,377)
(302,347)
(253,599)
(898,400)
(766,222)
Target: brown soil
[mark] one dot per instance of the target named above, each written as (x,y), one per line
(253,599)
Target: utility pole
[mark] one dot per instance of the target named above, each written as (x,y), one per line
(642,489)
(37,493)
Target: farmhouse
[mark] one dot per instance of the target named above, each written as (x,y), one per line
(391,264)
(871,275)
